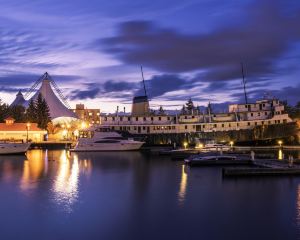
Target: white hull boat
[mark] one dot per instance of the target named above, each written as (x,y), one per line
(103,139)
(13,148)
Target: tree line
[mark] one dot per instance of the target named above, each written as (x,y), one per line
(37,112)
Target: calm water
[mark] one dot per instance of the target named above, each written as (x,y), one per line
(58,195)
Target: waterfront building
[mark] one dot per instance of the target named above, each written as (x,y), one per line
(12,131)
(89,116)
(239,117)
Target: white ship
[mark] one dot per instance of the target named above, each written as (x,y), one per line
(13,148)
(103,139)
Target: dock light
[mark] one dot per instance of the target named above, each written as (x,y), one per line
(231,143)
(280,143)
(185,144)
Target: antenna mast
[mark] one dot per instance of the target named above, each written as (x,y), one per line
(143,80)
(244,83)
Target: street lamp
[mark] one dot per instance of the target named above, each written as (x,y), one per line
(280,143)
(231,143)
(27,129)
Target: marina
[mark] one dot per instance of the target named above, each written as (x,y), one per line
(149,120)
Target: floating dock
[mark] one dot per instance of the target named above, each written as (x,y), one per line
(271,167)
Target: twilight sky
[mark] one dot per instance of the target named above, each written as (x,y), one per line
(193,48)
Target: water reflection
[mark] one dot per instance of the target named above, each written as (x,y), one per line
(34,168)
(66,182)
(183,184)
(280,154)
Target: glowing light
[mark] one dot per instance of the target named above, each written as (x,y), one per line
(76,133)
(83,125)
(199,145)
(231,143)
(280,154)
(280,143)
(185,144)
(182,188)
(64,133)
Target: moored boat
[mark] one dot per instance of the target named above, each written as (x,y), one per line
(7,148)
(194,159)
(104,139)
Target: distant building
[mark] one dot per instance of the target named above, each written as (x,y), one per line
(91,116)
(9,130)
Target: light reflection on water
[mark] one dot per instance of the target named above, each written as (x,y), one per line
(65,187)
(182,187)
(280,154)
(61,168)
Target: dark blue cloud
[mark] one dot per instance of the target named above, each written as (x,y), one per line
(259,40)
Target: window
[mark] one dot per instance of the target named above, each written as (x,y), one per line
(248,123)
(159,118)
(144,118)
(128,118)
(185,126)
(113,118)
(168,118)
(151,118)
(137,118)
(121,119)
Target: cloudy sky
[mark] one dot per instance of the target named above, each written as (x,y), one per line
(193,48)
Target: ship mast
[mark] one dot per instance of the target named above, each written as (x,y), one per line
(244,83)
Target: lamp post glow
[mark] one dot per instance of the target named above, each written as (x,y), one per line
(231,143)
(185,145)
(27,129)
(280,143)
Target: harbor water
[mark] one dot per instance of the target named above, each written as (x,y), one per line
(55,194)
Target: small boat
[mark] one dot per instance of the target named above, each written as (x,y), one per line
(194,159)
(104,139)
(7,148)
(214,147)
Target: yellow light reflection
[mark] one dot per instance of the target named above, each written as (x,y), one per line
(280,154)
(34,168)
(182,188)
(66,183)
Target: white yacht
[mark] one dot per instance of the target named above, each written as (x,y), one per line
(104,139)
(13,148)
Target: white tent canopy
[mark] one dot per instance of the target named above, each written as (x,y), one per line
(56,106)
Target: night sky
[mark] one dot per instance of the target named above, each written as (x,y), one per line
(93,49)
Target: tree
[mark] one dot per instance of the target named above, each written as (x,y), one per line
(3,111)
(17,112)
(161,111)
(42,112)
(31,112)
(190,106)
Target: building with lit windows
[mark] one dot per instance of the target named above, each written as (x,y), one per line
(12,131)
(90,116)
(239,117)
